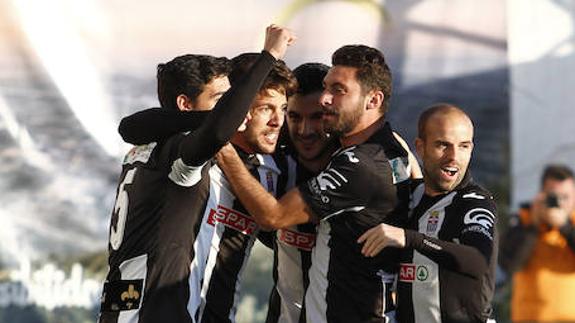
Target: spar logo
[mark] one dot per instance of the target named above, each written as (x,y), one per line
(300,240)
(232,219)
(411,272)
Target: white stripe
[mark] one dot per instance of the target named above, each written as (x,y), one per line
(219,194)
(425,293)
(131,269)
(202,248)
(349,209)
(315,297)
(290,284)
(248,250)
(185,175)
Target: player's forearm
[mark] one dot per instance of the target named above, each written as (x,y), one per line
(259,203)
(460,258)
(158,124)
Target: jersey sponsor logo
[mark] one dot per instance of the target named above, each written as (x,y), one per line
(350,155)
(140,153)
(474,196)
(122,295)
(432,222)
(330,179)
(480,216)
(410,272)
(478,229)
(232,219)
(300,240)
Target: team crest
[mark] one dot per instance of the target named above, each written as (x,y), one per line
(432,222)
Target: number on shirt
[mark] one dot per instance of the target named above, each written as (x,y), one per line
(121,211)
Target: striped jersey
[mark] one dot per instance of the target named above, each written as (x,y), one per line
(448,266)
(363,185)
(176,224)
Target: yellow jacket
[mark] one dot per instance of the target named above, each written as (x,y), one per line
(544,289)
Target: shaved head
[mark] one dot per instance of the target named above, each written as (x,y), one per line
(444,144)
(439,112)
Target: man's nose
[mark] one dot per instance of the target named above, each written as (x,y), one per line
(325,98)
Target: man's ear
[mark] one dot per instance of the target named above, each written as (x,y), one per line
(375,99)
(184,103)
(419,147)
(244,124)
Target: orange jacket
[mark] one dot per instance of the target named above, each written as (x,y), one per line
(544,289)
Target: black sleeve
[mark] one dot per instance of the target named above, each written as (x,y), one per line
(568,231)
(158,124)
(517,245)
(472,254)
(226,116)
(454,256)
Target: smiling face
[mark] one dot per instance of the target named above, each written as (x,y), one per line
(305,126)
(263,128)
(445,151)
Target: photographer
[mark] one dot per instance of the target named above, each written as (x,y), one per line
(539,250)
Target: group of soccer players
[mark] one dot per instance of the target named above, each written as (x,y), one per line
(334,194)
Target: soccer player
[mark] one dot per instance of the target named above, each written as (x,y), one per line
(355,192)
(450,247)
(173,207)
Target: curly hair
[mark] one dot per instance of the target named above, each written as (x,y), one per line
(188,74)
(280,77)
(372,70)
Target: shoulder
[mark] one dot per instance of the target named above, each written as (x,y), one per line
(476,206)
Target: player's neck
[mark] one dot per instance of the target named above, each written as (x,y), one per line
(361,136)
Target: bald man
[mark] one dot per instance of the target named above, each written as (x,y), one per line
(449,252)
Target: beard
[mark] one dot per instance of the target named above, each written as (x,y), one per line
(346,121)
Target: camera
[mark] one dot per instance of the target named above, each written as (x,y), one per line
(552,200)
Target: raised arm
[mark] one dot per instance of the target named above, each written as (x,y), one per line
(231,109)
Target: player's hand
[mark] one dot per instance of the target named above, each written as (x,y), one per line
(226,154)
(277,40)
(379,237)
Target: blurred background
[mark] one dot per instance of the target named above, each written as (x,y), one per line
(71,69)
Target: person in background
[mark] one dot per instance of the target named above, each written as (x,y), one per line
(538,250)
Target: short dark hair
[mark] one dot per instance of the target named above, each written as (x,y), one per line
(310,77)
(280,78)
(556,172)
(372,70)
(442,108)
(188,74)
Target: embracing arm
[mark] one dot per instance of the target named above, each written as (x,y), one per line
(266,210)
(465,259)
(158,124)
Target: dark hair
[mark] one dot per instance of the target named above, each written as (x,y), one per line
(372,70)
(556,172)
(188,74)
(280,77)
(310,77)
(442,108)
